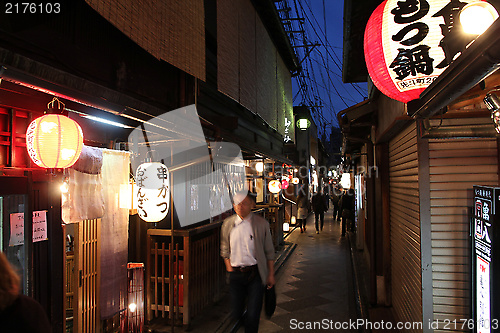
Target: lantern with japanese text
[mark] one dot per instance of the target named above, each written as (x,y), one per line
(408,44)
(284,184)
(54,141)
(152,191)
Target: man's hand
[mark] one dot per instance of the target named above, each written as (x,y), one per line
(227,262)
(270,282)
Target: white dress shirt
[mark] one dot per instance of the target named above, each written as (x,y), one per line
(242,243)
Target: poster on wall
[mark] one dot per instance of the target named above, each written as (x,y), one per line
(17,227)
(40,226)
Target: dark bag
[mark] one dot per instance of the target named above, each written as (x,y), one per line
(269,301)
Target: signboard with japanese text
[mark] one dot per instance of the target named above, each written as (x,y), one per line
(153,191)
(409,43)
(483,231)
(39,226)
(17,227)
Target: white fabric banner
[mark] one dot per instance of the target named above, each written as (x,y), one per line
(114,233)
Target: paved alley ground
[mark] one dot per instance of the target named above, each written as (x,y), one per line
(314,286)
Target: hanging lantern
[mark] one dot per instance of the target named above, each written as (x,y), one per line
(54,141)
(259,166)
(284,184)
(405,49)
(274,186)
(295,180)
(152,191)
(303,124)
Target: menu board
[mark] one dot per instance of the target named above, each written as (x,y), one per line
(484,213)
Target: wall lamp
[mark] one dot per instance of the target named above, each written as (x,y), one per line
(492,101)
(303,124)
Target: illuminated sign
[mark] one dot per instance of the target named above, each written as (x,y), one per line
(408,44)
(484,283)
(287,137)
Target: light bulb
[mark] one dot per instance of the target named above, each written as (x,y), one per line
(477,16)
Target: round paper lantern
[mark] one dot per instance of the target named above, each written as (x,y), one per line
(284,184)
(405,47)
(54,141)
(259,166)
(274,186)
(152,191)
(295,180)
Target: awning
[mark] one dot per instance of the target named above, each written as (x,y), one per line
(356,124)
(479,60)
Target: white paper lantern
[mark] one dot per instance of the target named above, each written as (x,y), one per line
(152,191)
(407,45)
(274,186)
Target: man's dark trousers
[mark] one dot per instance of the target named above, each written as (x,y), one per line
(320,216)
(247,286)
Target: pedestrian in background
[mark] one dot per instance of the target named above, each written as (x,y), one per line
(18,313)
(347,210)
(302,209)
(320,207)
(335,197)
(248,252)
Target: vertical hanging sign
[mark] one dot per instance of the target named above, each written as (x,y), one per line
(287,137)
(483,234)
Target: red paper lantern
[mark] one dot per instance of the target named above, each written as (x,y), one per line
(284,184)
(54,141)
(404,45)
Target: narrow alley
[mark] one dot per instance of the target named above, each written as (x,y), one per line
(314,287)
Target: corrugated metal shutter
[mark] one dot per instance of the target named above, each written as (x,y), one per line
(405,227)
(455,166)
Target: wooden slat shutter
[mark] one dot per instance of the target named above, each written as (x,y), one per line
(405,227)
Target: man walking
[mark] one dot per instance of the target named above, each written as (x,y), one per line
(319,207)
(248,252)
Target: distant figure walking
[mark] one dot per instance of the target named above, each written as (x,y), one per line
(320,207)
(335,197)
(302,209)
(347,209)
(18,313)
